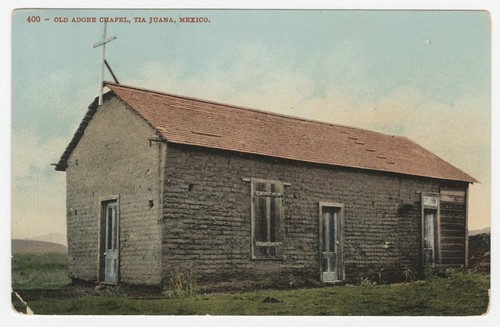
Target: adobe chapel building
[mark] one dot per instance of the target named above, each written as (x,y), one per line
(159,184)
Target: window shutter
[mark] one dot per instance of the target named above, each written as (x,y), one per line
(268,216)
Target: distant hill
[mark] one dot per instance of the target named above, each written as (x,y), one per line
(37,247)
(486,230)
(52,238)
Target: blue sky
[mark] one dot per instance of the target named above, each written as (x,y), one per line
(420,74)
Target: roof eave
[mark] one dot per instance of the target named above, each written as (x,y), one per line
(469,178)
(62,164)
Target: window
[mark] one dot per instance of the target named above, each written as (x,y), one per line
(267,219)
(430,201)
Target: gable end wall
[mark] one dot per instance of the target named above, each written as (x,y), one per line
(114,158)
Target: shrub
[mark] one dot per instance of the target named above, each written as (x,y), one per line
(479,253)
(366,282)
(408,272)
(181,285)
(431,271)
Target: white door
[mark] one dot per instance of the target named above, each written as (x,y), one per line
(110,243)
(331,247)
(429,237)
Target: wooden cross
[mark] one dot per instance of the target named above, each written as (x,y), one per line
(102,43)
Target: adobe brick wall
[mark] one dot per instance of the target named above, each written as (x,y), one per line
(207,221)
(114,157)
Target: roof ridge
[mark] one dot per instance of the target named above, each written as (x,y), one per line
(296,118)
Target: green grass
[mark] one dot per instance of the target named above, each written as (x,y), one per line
(459,294)
(35,271)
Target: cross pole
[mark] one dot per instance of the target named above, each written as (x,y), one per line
(102,43)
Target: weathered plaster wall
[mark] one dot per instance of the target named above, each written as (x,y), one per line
(115,158)
(207,220)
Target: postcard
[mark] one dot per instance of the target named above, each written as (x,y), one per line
(276,162)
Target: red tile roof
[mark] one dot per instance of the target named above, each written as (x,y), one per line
(184,120)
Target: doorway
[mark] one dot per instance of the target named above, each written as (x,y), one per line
(330,240)
(430,229)
(109,242)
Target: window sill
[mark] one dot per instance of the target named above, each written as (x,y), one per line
(268,259)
